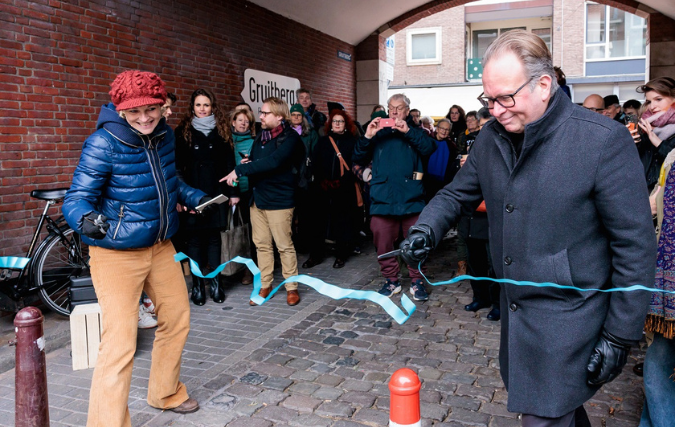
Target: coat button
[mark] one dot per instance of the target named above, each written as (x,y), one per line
(509,208)
(508,260)
(513,307)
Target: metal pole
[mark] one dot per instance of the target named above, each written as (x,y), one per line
(32,408)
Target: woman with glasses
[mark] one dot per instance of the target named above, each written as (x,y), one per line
(203,155)
(335,190)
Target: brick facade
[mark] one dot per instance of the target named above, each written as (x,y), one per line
(452,53)
(57,59)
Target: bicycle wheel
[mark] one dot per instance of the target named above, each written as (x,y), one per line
(54,265)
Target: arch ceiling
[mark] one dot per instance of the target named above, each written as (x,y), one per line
(354,20)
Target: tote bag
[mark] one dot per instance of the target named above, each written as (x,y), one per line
(235,242)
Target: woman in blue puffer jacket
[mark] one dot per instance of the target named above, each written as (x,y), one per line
(123,201)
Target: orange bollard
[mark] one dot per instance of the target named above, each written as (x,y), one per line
(404,404)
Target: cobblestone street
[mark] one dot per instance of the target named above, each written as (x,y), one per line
(328,363)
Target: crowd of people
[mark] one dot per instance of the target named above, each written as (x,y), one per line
(529,202)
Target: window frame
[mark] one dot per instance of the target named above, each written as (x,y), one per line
(606,44)
(438,32)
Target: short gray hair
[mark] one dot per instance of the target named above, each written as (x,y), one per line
(530,49)
(399,97)
(444,120)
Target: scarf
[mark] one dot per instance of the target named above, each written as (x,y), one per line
(438,162)
(204,124)
(268,135)
(298,129)
(661,314)
(662,122)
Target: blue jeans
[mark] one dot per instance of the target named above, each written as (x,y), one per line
(659,407)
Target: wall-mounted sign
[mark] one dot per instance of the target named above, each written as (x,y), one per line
(344,55)
(259,85)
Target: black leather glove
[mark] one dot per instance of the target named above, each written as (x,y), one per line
(210,209)
(608,359)
(415,248)
(95,225)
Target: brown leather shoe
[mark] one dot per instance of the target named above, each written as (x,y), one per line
(263,293)
(292,297)
(247,278)
(189,406)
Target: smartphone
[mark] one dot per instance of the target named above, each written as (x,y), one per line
(243,155)
(386,123)
(631,122)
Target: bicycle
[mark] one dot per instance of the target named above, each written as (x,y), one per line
(47,268)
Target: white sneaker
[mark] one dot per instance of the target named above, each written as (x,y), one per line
(145,320)
(148,306)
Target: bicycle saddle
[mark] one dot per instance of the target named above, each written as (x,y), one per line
(52,194)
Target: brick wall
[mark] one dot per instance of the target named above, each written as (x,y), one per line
(57,60)
(568,36)
(453,53)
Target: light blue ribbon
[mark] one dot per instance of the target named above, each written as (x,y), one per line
(386,303)
(318,285)
(14,262)
(547,285)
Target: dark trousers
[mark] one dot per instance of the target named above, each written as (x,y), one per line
(203,246)
(333,218)
(480,265)
(386,230)
(576,418)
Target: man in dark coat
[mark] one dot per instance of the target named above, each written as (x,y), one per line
(559,211)
(399,154)
(275,153)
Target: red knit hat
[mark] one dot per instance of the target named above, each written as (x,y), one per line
(134,88)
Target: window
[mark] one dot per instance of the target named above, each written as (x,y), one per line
(612,33)
(424,46)
(545,35)
(482,38)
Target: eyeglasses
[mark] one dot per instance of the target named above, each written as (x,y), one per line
(399,108)
(338,121)
(597,110)
(506,101)
(264,113)
(439,129)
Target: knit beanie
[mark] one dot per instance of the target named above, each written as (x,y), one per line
(297,108)
(380,114)
(135,88)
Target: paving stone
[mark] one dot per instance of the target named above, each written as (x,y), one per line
(270,397)
(277,414)
(349,373)
(377,377)
(299,364)
(243,390)
(253,378)
(372,416)
(505,422)
(335,409)
(310,420)
(328,393)
(250,422)
(462,402)
(304,404)
(347,361)
(433,411)
(220,381)
(469,417)
(356,385)
(364,400)
(304,376)
(277,383)
(330,379)
(303,387)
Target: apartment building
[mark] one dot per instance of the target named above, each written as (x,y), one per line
(437,61)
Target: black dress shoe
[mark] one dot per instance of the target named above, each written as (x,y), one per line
(638,369)
(475,306)
(311,262)
(339,263)
(494,314)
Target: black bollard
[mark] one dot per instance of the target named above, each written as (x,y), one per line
(32,408)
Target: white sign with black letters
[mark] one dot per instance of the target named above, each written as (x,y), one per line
(259,85)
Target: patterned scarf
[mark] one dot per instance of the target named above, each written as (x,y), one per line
(268,135)
(661,315)
(663,122)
